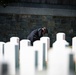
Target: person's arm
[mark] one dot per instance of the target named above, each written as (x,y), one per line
(40,32)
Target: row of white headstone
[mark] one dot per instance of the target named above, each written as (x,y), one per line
(20,55)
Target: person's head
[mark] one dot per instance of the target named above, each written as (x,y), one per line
(44,31)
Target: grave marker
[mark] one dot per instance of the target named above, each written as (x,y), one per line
(59,57)
(27,60)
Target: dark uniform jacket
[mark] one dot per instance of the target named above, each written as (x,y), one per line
(35,35)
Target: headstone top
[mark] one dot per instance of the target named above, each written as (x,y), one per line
(25,42)
(60,41)
(60,36)
(14,39)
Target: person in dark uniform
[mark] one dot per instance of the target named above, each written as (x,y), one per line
(37,34)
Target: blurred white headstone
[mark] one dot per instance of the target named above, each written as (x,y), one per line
(3,64)
(74,46)
(59,57)
(12,57)
(1,51)
(38,46)
(46,41)
(60,40)
(74,50)
(27,58)
(15,41)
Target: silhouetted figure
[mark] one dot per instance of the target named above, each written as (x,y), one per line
(37,34)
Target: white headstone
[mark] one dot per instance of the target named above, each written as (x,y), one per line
(1,51)
(74,46)
(11,56)
(74,50)
(38,45)
(15,42)
(60,40)
(46,41)
(36,48)
(27,59)
(59,57)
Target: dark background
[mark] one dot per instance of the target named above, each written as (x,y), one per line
(20,25)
